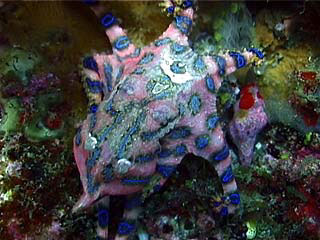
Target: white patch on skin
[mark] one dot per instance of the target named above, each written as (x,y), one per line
(90,143)
(165,63)
(123,166)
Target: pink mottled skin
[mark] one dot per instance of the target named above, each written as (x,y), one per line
(246,124)
(139,109)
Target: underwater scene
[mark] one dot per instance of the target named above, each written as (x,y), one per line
(159,120)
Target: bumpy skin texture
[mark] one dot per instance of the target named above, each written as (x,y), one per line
(248,122)
(154,105)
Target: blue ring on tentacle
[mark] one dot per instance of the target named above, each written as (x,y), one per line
(239,58)
(90,2)
(162,41)
(202,141)
(107,174)
(224,212)
(257,52)
(93,108)
(126,228)
(133,202)
(221,62)
(183,23)
(128,181)
(108,20)
(103,218)
(187,4)
(235,198)
(179,132)
(227,176)
(163,153)
(90,63)
(181,150)
(121,43)
(95,87)
(78,139)
(170,9)
(221,155)
(165,170)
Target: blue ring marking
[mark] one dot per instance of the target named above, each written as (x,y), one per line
(195,104)
(257,52)
(126,228)
(170,9)
(90,63)
(163,153)
(148,136)
(103,218)
(183,23)
(210,84)
(78,139)
(121,43)
(90,2)
(235,198)
(216,204)
(93,108)
(93,121)
(179,132)
(181,150)
(199,64)
(221,155)
(136,53)
(107,174)
(147,58)
(227,176)
(221,62)
(212,121)
(91,162)
(92,187)
(177,48)
(108,106)
(120,72)
(108,76)
(162,41)
(135,181)
(165,170)
(133,202)
(175,68)
(224,212)
(94,86)
(202,141)
(139,71)
(144,158)
(108,20)
(240,59)
(187,4)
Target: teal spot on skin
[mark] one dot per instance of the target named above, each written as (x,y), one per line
(195,104)
(212,121)
(178,67)
(202,141)
(161,42)
(210,84)
(147,58)
(178,49)
(199,65)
